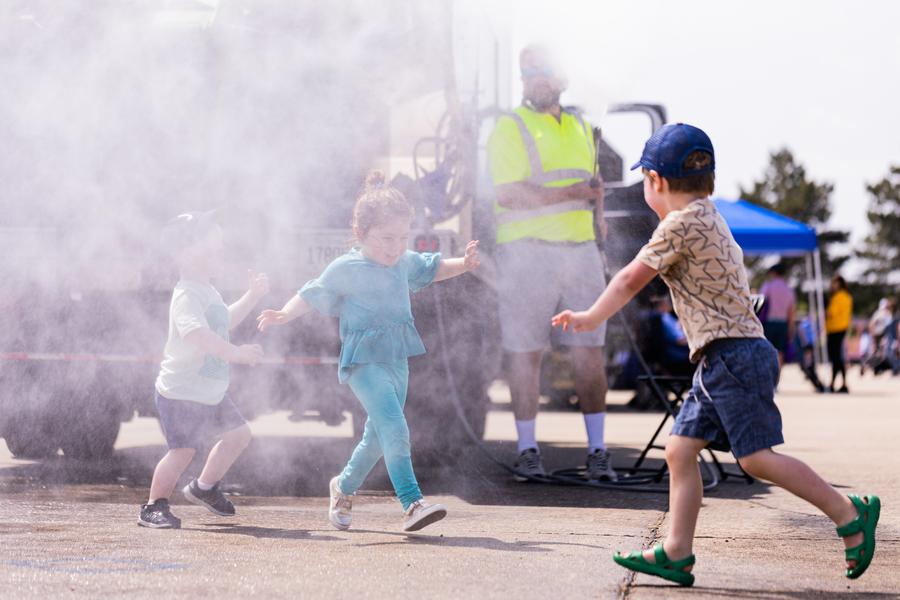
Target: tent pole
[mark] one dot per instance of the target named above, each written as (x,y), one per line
(820,300)
(813,308)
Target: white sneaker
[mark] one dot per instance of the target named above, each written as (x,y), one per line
(529,465)
(339,508)
(599,467)
(421,514)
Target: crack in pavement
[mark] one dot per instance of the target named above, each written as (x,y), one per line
(653,537)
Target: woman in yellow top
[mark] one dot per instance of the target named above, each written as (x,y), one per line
(837,322)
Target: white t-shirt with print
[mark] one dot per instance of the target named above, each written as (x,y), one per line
(186,373)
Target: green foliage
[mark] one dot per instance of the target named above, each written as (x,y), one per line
(786,189)
(867,295)
(881,249)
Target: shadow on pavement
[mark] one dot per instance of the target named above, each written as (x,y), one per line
(276,533)
(804,594)
(302,467)
(487,543)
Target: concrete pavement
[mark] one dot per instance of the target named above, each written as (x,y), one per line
(68,527)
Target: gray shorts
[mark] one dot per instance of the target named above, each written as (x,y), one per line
(187,424)
(535,280)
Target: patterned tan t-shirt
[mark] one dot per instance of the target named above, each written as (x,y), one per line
(696,255)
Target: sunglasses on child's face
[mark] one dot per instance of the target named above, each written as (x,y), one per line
(535,72)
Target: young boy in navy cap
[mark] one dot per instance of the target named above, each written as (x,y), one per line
(193,377)
(731,404)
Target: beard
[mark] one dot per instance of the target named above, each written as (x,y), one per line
(544,99)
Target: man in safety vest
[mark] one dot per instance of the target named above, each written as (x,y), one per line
(542,159)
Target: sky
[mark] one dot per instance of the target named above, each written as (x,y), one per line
(822,79)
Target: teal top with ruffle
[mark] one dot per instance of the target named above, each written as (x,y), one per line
(372,301)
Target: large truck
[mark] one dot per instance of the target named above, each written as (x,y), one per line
(117,116)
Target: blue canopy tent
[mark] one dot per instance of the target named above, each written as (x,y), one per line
(760,231)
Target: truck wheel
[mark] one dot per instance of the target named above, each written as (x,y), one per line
(31,435)
(93,437)
(470,344)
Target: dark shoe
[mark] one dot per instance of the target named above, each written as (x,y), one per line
(214,500)
(843,390)
(599,467)
(158,516)
(528,466)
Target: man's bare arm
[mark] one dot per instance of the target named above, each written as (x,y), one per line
(522,195)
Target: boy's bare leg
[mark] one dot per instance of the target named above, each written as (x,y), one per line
(799,479)
(224,453)
(685,496)
(167,472)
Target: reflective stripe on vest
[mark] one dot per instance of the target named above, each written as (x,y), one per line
(508,218)
(513,216)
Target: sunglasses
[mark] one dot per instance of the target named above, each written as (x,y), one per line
(533,72)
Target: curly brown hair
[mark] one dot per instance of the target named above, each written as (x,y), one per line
(378,203)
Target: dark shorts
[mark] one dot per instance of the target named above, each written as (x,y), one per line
(732,401)
(187,424)
(777,333)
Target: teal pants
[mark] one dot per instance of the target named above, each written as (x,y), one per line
(381,389)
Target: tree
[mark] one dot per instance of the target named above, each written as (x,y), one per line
(881,248)
(786,189)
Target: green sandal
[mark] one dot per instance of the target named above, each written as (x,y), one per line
(663,567)
(865,522)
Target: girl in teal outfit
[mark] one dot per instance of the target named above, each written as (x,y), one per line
(368,288)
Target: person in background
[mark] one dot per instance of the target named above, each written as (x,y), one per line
(893,342)
(837,322)
(676,352)
(542,157)
(805,340)
(878,353)
(778,324)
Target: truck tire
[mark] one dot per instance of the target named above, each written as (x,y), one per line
(469,342)
(32,435)
(92,438)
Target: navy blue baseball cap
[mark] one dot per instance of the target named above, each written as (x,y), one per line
(667,149)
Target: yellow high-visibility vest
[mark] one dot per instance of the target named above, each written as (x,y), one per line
(558,154)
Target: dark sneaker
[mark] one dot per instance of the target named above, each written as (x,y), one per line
(599,467)
(214,500)
(529,465)
(158,516)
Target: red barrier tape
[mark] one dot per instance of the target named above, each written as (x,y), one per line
(128,358)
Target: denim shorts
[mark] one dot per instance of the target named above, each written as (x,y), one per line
(187,424)
(732,401)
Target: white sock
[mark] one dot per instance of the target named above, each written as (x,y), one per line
(594,422)
(205,486)
(525,429)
